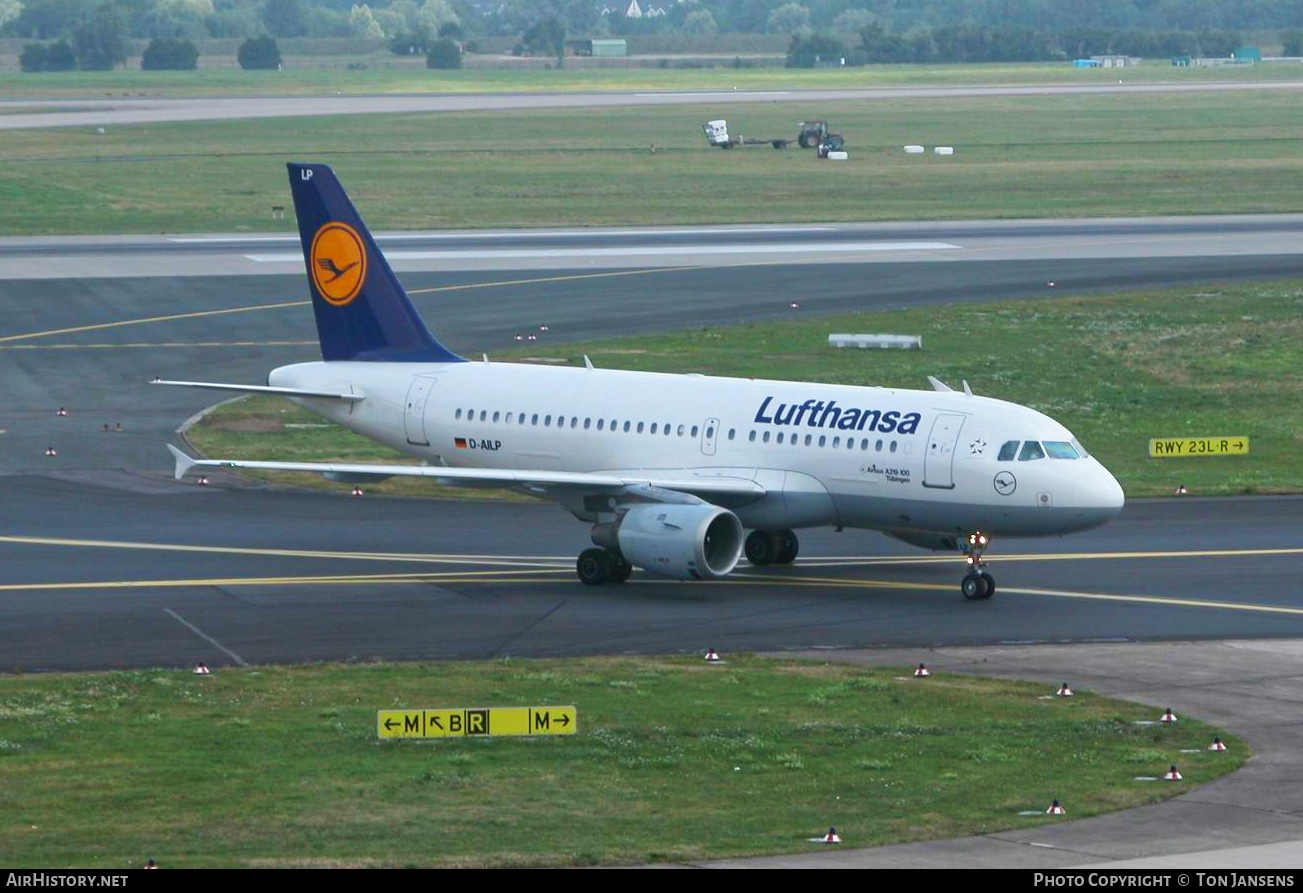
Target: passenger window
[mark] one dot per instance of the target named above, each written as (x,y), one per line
(893,446)
(1058,449)
(1009,451)
(495,416)
(710,431)
(626,427)
(574,421)
(752,437)
(878,447)
(588,423)
(614,424)
(823,438)
(653,428)
(808,439)
(765,438)
(694,430)
(534,421)
(779,438)
(1031,450)
(458,414)
(681,434)
(547,422)
(601,424)
(731,432)
(522,418)
(510,417)
(470,415)
(484,413)
(864,444)
(836,442)
(640,427)
(666,426)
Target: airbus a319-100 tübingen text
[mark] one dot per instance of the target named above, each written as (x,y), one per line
(670,471)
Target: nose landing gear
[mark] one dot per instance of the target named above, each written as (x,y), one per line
(977,584)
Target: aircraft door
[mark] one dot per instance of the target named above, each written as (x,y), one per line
(938,465)
(708,435)
(414,415)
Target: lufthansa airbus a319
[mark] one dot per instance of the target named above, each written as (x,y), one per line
(670,471)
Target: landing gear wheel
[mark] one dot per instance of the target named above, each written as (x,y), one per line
(973,587)
(594,566)
(989,583)
(762,547)
(788,547)
(977,584)
(621,570)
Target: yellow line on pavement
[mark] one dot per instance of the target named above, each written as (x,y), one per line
(149,319)
(156,344)
(507,560)
(498,576)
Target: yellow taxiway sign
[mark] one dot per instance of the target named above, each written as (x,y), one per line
(478,722)
(1181,447)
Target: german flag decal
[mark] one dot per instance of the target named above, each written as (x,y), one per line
(460,443)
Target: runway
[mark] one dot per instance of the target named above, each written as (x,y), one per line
(108,562)
(135,110)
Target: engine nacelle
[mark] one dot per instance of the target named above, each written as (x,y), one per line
(686,542)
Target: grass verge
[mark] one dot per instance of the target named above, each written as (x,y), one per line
(303,82)
(673,760)
(1118,369)
(1027,156)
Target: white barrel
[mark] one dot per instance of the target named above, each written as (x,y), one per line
(914,150)
(836,156)
(944,150)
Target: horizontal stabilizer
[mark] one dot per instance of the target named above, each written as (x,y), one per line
(259,389)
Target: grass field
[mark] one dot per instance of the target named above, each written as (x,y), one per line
(1100,155)
(673,760)
(228,82)
(1116,369)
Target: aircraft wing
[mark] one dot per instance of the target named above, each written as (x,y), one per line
(536,481)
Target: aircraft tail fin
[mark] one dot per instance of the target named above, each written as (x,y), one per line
(361,309)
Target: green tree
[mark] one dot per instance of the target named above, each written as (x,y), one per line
(444,53)
(170,54)
(259,53)
(788,19)
(363,22)
(32,58)
(700,21)
(1292,43)
(100,41)
(546,37)
(807,50)
(45,19)
(284,18)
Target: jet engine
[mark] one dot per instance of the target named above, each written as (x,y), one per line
(686,542)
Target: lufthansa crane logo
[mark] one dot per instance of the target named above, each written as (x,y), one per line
(1005,483)
(338,263)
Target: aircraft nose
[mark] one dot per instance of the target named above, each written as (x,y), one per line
(1105,494)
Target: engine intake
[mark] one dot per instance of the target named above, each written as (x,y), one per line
(685,542)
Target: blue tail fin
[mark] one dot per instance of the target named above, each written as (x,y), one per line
(361,309)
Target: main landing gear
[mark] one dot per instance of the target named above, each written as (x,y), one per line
(598,566)
(772,547)
(977,584)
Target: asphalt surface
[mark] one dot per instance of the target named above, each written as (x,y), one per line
(129,110)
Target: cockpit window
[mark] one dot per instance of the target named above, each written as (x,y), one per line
(1031,450)
(1081,450)
(1057,449)
(1009,451)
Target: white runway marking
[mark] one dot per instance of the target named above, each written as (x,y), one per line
(639,251)
(522,234)
(203,635)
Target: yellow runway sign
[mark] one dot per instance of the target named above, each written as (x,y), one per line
(1165,447)
(476,722)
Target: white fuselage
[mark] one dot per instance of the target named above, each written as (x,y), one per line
(909,462)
